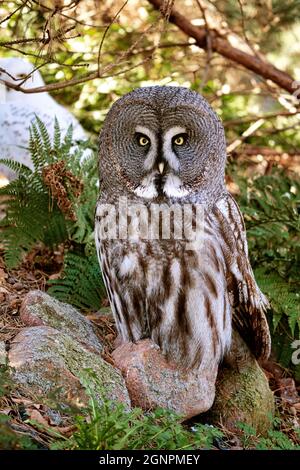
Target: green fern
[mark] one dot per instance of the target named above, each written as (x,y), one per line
(271,207)
(34,213)
(29,219)
(80,283)
(284,297)
(31,215)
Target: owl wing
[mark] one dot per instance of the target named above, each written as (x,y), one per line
(248,302)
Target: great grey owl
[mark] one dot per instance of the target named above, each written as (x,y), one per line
(18,110)
(164,148)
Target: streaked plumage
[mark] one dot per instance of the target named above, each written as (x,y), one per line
(185,300)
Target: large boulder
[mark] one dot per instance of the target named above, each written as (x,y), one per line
(243,394)
(50,356)
(53,364)
(40,309)
(153,382)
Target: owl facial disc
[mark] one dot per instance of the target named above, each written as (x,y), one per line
(161,162)
(164,143)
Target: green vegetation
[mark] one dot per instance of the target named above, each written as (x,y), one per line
(275,439)
(271,205)
(110,427)
(54,204)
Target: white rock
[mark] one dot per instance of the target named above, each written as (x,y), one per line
(18,110)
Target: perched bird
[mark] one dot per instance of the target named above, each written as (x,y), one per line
(18,110)
(162,149)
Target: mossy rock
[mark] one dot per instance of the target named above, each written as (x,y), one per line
(242,392)
(40,309)
(52,364)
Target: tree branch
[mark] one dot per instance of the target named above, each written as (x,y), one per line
(221,45)
(76,81)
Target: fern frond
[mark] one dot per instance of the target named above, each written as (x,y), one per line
(17,167)
(45,139)
(67,143)
(57,137)
(36,148)
(32,212)
(81,282)
(284,296)
(271,204)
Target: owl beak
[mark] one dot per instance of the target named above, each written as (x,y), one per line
(161,167)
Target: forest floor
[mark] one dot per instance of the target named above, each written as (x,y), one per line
(42,265)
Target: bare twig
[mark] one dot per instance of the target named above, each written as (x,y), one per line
(221,45)
(14,12)
(251,129)
(208,48)
(49,37)
(274,131)
(20,41)
(251,150)
(105,34)
(244,29)
(75,81)
(206,38)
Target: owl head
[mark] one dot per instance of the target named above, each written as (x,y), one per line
(163,142)
(15,70)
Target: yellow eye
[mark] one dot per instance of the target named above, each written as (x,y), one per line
(142,140)
(179,140)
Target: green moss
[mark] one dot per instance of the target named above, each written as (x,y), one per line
(65,318)
(54,362)
(246,396)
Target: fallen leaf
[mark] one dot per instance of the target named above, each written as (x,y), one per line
(3,275)
(65,430)
(268,374)
(287,390)
(55,276)
(14,303)
(273,368)
(35,415)
(23,401)
(4,290)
